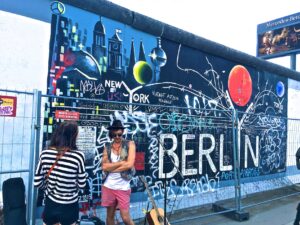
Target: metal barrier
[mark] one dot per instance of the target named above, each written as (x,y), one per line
(18,139)
(277,163)
(155,129)
(221,154)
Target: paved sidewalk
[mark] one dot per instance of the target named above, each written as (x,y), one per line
(279,212)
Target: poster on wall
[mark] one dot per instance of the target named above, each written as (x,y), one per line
(86,142)
(8,106)
(171,98)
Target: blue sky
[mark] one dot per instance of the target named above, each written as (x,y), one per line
(232,23)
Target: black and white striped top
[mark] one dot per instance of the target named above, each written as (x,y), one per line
(65,180)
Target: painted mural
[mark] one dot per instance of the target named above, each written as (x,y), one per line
(180,101)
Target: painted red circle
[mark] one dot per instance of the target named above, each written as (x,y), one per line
(69,58)
(240,85)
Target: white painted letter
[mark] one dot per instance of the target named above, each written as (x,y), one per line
(254,157)
(170,152)
(222,167)
(206,152)
(186,152)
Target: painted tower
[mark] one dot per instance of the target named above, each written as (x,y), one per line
(99,47)
(114,53)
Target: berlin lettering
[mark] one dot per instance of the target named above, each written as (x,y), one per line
(204,153)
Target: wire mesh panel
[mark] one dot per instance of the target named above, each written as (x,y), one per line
(293,144)
(189,147)
(191,151)
(15,135)
(269,144)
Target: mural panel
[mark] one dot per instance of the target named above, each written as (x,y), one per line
(180,101)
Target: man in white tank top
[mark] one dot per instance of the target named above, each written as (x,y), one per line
(117,163)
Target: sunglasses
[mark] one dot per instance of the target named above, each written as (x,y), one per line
(117,135)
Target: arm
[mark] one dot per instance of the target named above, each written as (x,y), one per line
(81,173)
(129,163)
(108,166)
(39,174)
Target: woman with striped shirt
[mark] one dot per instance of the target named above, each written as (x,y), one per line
(61,173)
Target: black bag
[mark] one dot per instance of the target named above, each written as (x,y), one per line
(14,207)
(85,220)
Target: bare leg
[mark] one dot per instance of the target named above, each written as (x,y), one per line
(110,215)
(126,217)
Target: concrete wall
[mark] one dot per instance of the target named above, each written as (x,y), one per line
(63,57)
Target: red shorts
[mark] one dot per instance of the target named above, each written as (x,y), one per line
(118,198)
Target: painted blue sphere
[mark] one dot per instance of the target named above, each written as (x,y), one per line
(280,89)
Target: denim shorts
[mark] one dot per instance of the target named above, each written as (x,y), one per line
(65,214)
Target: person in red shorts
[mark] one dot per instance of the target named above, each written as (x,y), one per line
(118,169)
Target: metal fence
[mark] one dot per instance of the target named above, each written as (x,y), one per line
(17,142)
(213,156)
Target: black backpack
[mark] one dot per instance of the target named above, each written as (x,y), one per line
(14,207)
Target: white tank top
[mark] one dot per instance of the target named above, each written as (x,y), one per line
(114,180)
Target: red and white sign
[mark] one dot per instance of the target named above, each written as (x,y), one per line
(66,115)
(8,106)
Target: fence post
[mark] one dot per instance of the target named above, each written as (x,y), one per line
(236,157)
(34,150)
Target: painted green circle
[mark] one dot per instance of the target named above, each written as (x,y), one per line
(142,72)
